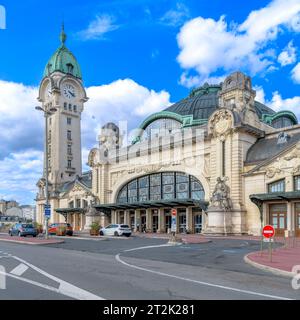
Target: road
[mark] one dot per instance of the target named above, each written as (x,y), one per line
(136,268)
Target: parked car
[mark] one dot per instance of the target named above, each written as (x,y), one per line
(23,230)
(116,230)
(52,229)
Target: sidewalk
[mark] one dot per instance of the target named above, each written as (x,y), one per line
(29,240)
(283,259)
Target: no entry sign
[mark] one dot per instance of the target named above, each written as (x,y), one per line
(268,231)
(174,212)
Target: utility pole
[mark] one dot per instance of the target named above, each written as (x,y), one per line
(47,112)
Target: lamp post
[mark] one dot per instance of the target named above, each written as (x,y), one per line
(47,112)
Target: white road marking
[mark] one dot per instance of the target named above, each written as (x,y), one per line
(117,257)
(20,269)
(148,247)
(64,288)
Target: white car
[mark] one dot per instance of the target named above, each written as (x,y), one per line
(116,230)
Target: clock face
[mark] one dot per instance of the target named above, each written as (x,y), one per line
(69,91)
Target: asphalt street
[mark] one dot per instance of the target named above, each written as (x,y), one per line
(136,268)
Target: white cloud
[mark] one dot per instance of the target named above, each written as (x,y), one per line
(209,46)
(99,27)
(20,172)
(296,73)
(288,55)
(20,124)
(260,94)
(176,17)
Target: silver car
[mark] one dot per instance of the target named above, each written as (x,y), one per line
(116,230)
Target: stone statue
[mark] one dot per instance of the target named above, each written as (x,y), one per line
(220,197)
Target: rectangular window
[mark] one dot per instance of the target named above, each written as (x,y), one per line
(297,183)
(75,108)
(65,106)
(69,164)
(69,149)
(155,187)
(49,135)
(70,107)
(78,203)
(69,121)
(277,186)
(69,135)
(182,186)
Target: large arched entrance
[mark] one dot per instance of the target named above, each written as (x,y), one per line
(145,203)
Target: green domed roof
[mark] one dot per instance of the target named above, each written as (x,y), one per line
(203,101)
(63,60)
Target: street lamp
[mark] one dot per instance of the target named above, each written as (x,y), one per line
(47,112)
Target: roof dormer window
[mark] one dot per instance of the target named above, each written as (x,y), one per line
(70,68)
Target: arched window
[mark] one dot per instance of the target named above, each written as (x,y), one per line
(282,122)
(161,127)
(161,186)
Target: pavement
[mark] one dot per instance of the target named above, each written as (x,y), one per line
(137,269)
(284,258)
(284,261)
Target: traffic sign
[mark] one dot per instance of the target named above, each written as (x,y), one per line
(268,231)
(174,220)
(47,210)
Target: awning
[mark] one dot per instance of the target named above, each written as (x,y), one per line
(153,204)
(70,210)
(287,196)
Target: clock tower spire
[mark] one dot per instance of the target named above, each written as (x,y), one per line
(62,89)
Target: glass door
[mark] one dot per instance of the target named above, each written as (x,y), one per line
(278,218)
(197,223)
(154,220)
(168,220)
(182,220)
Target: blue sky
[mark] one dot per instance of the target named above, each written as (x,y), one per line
(137,56)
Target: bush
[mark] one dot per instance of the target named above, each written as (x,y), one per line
(95,228)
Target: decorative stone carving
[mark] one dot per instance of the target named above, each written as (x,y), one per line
(294,154)
(272,171)
(221,124)
(221,195)
(93,158)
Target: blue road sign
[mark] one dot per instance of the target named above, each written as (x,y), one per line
(47,210)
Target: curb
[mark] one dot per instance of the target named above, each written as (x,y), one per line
(30,243)
(275,271)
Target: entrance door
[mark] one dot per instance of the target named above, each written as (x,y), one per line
(197,222)
(154,220)
(143,221)
(297,218)
(168,220)
(121,217)
(132,220)
(182,220)
(278,218)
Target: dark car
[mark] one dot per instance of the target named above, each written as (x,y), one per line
(23,230)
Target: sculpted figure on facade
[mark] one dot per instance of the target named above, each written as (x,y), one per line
(221,195)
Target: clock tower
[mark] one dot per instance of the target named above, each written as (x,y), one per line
(62,89)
